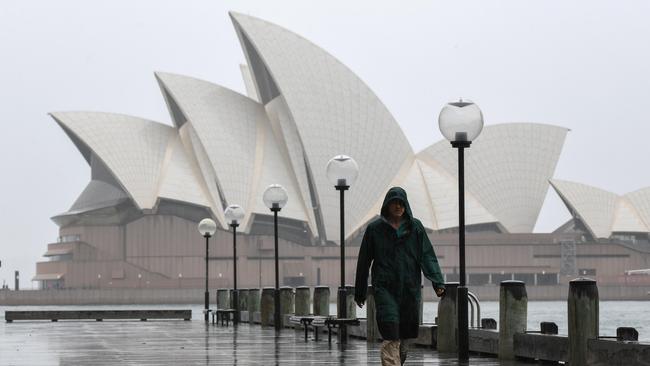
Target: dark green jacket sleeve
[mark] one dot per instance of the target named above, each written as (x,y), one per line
(363,267)
(429,263)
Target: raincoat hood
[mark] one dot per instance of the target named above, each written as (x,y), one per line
(396,193)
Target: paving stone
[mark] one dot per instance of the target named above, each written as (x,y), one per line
(187,343)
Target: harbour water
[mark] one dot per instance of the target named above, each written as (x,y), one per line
(613,314)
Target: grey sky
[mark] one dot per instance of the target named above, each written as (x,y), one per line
(580,64)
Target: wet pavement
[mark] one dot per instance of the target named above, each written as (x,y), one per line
(187,343)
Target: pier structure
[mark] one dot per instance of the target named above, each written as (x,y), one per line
(492,342)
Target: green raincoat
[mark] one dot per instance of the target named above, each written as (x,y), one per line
(398,257)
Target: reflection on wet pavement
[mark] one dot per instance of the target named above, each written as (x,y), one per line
(186,343)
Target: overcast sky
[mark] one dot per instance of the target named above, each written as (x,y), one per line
(583,65)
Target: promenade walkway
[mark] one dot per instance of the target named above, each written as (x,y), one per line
(185,343)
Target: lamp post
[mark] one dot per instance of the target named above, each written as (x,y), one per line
(207,228)
(461,122)
(342,172)
(234,214)
(275,197)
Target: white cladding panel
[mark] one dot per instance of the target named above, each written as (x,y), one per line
(594,206)
(132,148)
(335,113)
(181,177)
(251,91)
(507,169)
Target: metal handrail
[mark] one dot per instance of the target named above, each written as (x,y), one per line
(474,300)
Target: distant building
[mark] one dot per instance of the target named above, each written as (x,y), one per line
(134,225)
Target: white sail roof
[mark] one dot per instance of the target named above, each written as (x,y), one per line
(443,193)
(640,199)
(507,169)
(626,218)
(334,113)
(418,196)
(132,148)
(306,107)
(225,123)
(181,177)
(232,132)
(603,212)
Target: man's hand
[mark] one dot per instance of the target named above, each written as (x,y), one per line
(360,303)
(440,292)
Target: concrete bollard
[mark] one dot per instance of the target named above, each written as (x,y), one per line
(448,319)
(322,300)
(548,328)
(253,303)
(488,323)
(372,332)
(513,315)
(243,299)
(223,298)
(627,334)
(286,300)
(303,303)
(233,301)
(267,306)
(351,306)
(582,318)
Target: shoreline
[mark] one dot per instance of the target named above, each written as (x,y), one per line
(196,296)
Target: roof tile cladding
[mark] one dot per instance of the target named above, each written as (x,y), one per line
(230,147)
(507,169)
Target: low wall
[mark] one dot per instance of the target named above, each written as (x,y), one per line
(195,296)
(560,292)
(104,297)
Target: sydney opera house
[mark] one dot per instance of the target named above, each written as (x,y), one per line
(135,224)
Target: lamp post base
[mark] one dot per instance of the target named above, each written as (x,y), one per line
(463,324)
(235,305)
(277,318)
(207,306)
(342,313)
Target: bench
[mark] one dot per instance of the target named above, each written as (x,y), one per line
(306,321)
(98,315)
(223,315)
(332,322)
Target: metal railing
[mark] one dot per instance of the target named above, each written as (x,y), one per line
(473,300)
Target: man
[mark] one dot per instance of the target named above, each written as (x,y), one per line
(399,250)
